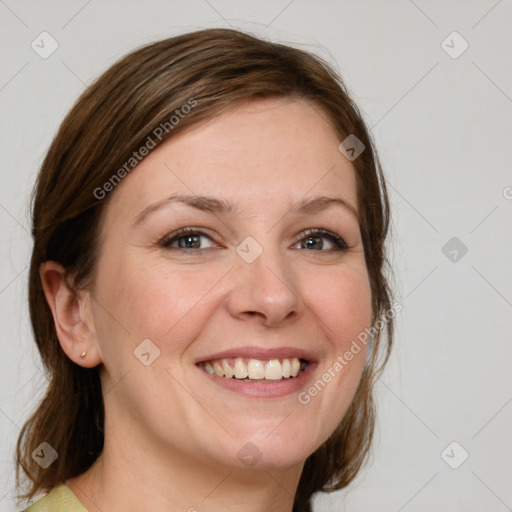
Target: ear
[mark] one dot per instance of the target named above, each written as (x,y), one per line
(72,315)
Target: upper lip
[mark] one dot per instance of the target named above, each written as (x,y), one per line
(254,352)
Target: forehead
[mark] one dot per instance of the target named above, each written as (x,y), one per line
(262,152)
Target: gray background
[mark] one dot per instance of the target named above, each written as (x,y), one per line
(443,128)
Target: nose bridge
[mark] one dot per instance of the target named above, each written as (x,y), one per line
(265,283)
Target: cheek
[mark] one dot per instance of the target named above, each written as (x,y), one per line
(342,302)
(153,300)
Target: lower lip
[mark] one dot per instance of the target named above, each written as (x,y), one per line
(275,389)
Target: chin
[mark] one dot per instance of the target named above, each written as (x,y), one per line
(261,450)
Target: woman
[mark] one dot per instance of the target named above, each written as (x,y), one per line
(207,286)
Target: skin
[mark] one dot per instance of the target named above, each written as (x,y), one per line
(172,437)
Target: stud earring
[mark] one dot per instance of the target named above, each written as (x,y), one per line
(82,355)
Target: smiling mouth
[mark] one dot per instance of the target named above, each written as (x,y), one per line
(255,370)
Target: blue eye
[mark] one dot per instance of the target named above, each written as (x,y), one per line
(187,239)
(312,240)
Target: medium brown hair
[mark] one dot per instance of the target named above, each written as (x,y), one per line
(218,70)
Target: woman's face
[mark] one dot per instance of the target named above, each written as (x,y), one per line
(249,289)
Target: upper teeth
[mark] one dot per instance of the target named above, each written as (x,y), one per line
(273,369)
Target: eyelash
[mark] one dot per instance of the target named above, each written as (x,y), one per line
(340,244)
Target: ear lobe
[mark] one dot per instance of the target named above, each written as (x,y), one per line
(73,322)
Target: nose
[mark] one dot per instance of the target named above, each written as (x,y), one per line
(264,290)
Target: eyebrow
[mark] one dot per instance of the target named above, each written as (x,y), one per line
(221,206)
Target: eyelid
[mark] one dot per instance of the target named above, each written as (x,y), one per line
(181,232)
(337,240)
